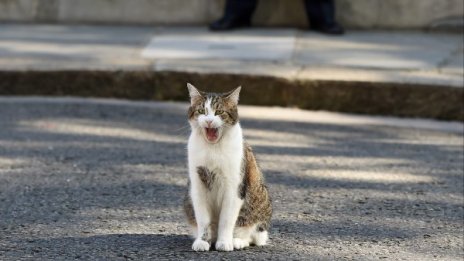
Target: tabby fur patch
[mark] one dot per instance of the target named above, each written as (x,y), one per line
(206,176)
(257,207)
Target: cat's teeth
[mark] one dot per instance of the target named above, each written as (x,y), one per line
(211,133)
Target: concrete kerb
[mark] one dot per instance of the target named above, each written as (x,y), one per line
(395,99)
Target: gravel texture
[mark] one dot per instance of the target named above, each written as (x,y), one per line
(104,180)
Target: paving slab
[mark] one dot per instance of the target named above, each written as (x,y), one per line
(72,47)
(405,50)
(104,180)
(199,43)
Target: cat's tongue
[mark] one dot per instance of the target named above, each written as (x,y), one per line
(211,134)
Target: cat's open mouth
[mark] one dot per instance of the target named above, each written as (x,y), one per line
(212,134)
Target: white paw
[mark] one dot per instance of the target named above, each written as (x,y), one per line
(260,238)
(200,245)
(224,245)
(240,243)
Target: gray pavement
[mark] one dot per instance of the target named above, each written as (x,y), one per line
(365,56)
(104,180)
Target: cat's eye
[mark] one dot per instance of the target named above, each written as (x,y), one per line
(219,112)
(201,111)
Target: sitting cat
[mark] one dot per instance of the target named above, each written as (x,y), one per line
(227,202)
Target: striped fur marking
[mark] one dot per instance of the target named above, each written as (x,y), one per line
(220,104)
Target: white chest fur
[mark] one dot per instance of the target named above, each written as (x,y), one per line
(223,158)
(224,155)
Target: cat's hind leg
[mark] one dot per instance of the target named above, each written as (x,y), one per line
(259,238)
(242,236)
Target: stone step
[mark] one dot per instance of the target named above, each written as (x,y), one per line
(412,74)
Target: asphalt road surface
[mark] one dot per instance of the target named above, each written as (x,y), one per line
(104,180)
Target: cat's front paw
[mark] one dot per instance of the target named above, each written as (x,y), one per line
(224,245)
(200,245)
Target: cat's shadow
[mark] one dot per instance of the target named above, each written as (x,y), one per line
(116,243)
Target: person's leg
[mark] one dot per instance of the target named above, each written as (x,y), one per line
(242,8)
(321,16)
(314,13)
(237,13)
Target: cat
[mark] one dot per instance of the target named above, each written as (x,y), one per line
(227,202)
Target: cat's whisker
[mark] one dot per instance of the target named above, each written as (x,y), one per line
(181,132)
(182,128)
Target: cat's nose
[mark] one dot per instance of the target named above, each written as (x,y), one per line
(209,122)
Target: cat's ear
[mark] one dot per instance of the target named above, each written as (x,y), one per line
(234,95)
(194,93)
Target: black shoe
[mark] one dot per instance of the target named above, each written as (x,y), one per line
(334,29)
(229,23)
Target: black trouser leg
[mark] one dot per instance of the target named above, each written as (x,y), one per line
(240,9)
(321,13)
(237,13)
